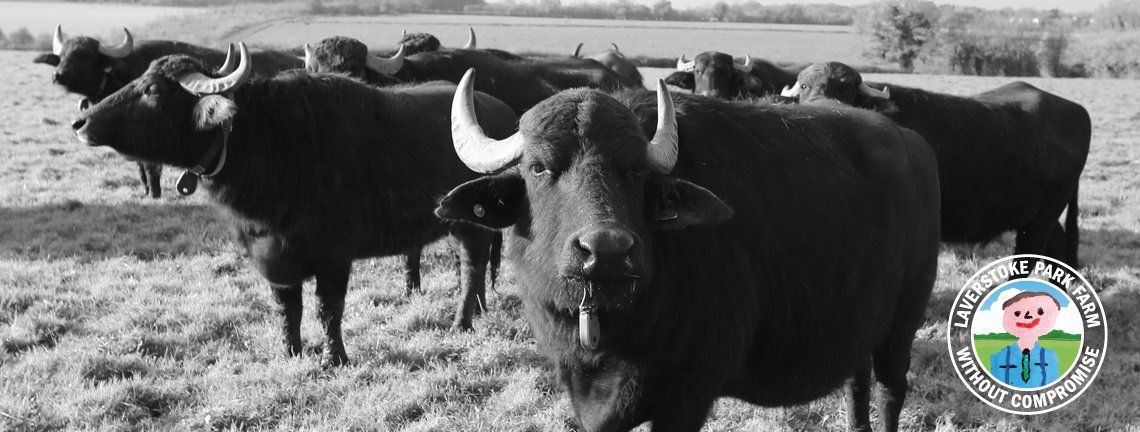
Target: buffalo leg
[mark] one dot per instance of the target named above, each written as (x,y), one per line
(474,247)
(687,407)
(858,399)
(154,179)
(891,366)
(412,269)
(332,285)
(289,301)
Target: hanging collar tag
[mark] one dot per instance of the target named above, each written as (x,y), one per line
(188,181)
(589,330)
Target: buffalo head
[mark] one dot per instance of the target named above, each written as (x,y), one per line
(83,65)
(835,82)
(349,56)
(717,74)
(171,114)
(584,188)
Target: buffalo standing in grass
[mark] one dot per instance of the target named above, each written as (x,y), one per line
(1009,158)
(520,84)
(349,56)
(315,170)
(767,253)
(86,67)
(716,74)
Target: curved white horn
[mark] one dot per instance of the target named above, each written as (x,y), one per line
(615,47)
(747,66)
(662,151)
(475,149)
(122,50)
(230,64)
(685,66)
(470,39)
(791,92)
(577,50)
(57,40)
(403,32)
(885,93)
(308,55)
(387,66)
(202,85)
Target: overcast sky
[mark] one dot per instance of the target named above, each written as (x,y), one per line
(1065,5)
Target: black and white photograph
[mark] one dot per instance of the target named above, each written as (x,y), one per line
(570,215)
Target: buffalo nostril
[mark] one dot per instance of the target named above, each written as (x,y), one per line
(606,248)
(78,123)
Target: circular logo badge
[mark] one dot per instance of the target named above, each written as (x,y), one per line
(1027,334)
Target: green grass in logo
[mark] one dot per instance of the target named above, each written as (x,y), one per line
(1066,345)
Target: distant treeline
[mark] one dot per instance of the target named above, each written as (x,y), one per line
(923,36)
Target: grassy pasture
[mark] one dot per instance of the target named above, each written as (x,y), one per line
(124,313)
(81,18)
(552,35)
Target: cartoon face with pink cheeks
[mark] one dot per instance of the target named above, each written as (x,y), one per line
(1030,315)
(1026,364)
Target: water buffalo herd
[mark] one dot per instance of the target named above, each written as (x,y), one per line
(772,236)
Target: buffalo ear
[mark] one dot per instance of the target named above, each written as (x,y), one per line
(681,204)
(47,58)
(493,201)
(213,111)
(682,80)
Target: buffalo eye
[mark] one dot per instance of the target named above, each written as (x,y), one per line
(538,169)
(153,89)
(636,171)
(1017,314)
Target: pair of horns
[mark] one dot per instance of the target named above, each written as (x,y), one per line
(202,85)
(885,93)
(122,50)
(690,66)
(578,49)
(486,155)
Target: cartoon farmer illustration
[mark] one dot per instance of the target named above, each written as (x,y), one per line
(1026,364)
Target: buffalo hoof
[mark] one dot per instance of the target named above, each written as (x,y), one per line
(332,360)
(462,326)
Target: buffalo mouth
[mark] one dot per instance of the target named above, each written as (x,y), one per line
(605,294)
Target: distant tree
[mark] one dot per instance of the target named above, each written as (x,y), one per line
(720,10)
(663,9)
(21,38)
(549,7)
(1119,14)
(899,30)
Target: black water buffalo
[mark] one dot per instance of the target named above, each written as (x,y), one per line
(1009,158)
(315,170)
(767,253)
(520,85)
(616,61)
(86,67)
(717,74)
(349,56)
(415,43)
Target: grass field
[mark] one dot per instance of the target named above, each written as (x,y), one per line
(124,313)
(81,18)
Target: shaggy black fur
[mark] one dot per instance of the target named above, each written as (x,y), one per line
(520,85)
(821,275)
(321,170)
(346,55)
(719,77)
(1009,158)
(81,69)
